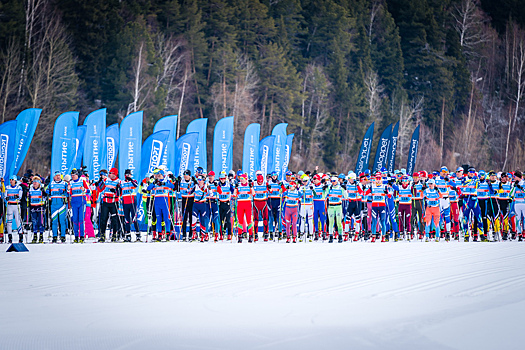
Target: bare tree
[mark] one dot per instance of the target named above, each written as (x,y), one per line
(10,61)
(409,118)
(469,21)
(519,78)
(374,94)
(141,80)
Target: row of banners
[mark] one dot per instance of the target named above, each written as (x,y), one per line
(96,146)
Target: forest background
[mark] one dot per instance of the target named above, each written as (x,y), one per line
(328,68)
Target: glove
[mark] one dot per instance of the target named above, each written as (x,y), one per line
(179,178)
(112,190)
(311,187)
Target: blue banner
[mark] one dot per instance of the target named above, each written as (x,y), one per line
(26,123)
(382,149)
(412,154)
(266,154)
(200,158)
(279,131)
(250,154)
(131,144)
(81,136)
(287,153)
(95,143)
(168,123)
(7,151)
(112,145)
(364,153)
(392,146)
(185,150)
(223,145)
(152,151)
(64,143)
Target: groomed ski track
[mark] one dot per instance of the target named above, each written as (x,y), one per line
(402,295)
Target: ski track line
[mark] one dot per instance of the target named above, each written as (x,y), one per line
(491,287)
(419,287)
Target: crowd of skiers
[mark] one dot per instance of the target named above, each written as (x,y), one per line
(462,205)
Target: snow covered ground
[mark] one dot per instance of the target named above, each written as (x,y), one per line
(403,295)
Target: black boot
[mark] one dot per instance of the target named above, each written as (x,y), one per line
(76,239)
(340,240)
(331,240)
(41,238)
(271,236)
(138,238)
(54,240)
(20,238)
(102,238)
(35,237)
(10,238)
(63,239)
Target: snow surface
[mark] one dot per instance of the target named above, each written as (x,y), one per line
(403,295)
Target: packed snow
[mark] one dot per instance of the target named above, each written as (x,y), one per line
(309,295)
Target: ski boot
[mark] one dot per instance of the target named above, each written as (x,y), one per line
(41,238)
(250,238)
(81,240)
(266,237)
(101,239)
(271,236)
(484,238)
(466,238)
(239,238)
(383,238)
(9,238)
(63,239)
(215,237)
(288,240)
(138,238)
(2,238)
(356,237)
(437,238)
(447,237)
(331,240)
(340,240)
(345,237)
(294,239)
(20,238)
(256,237)
(520,238)
(75,240)
(113,238)
(427,239)
(316,236)
(127,238)
(229,238)
(35,238)
(504,236)
(54,240)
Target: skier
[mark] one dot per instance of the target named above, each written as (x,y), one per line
(160,189)
(110,188)
(185,186)
(129,205)
(378,192)
(13,193)
(504,201)
(307,207)
(471,205)
(417,205)
(442,185)
(334,195)
(432,213)
(244,194)
(319,207)
(275,189)
(518,195)
(260,204)
(200,208)
(291,199)
(37,204)
(225,189)
(78,189)
(353,211)
(404,194)
(57,194)
(213,208)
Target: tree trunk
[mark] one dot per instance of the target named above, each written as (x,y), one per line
(181,100)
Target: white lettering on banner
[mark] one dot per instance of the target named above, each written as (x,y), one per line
(140,213)
(252,161)
(286,157)
(4,139)
(130,131)
(196,160)
(63,153)
(131,146)
(382,153)
(278,159)
(413,153)
(392,154)
(184,157)
(23,136)
(224,156)
(155,156)
(165,154)
(110,146)
(95,160)
(264,159)
(364,154)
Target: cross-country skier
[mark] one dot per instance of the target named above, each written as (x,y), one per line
(244,194)
(37,202)
(432,213)
(334,195)
(13,193)
(291,199)
(110,190)
(57,194)
(160,190)
(129,205)
(225,189)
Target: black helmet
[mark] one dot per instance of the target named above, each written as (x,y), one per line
(187,172)
(74,172)
(127,172)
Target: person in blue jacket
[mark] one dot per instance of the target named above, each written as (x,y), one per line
(160,191)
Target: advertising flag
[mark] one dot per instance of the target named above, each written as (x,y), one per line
(168,123)
(64,147)
(287,153)
(26,123)
(95,143)
(412,154)
(131,144)
(152,151)
(364,153)
(392,146)
(200,159)
(382,149)
(279,131)
(7,152)
(250,154)
(223,145)
(266,154)
(112,143)
(81,135)
(185,150)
